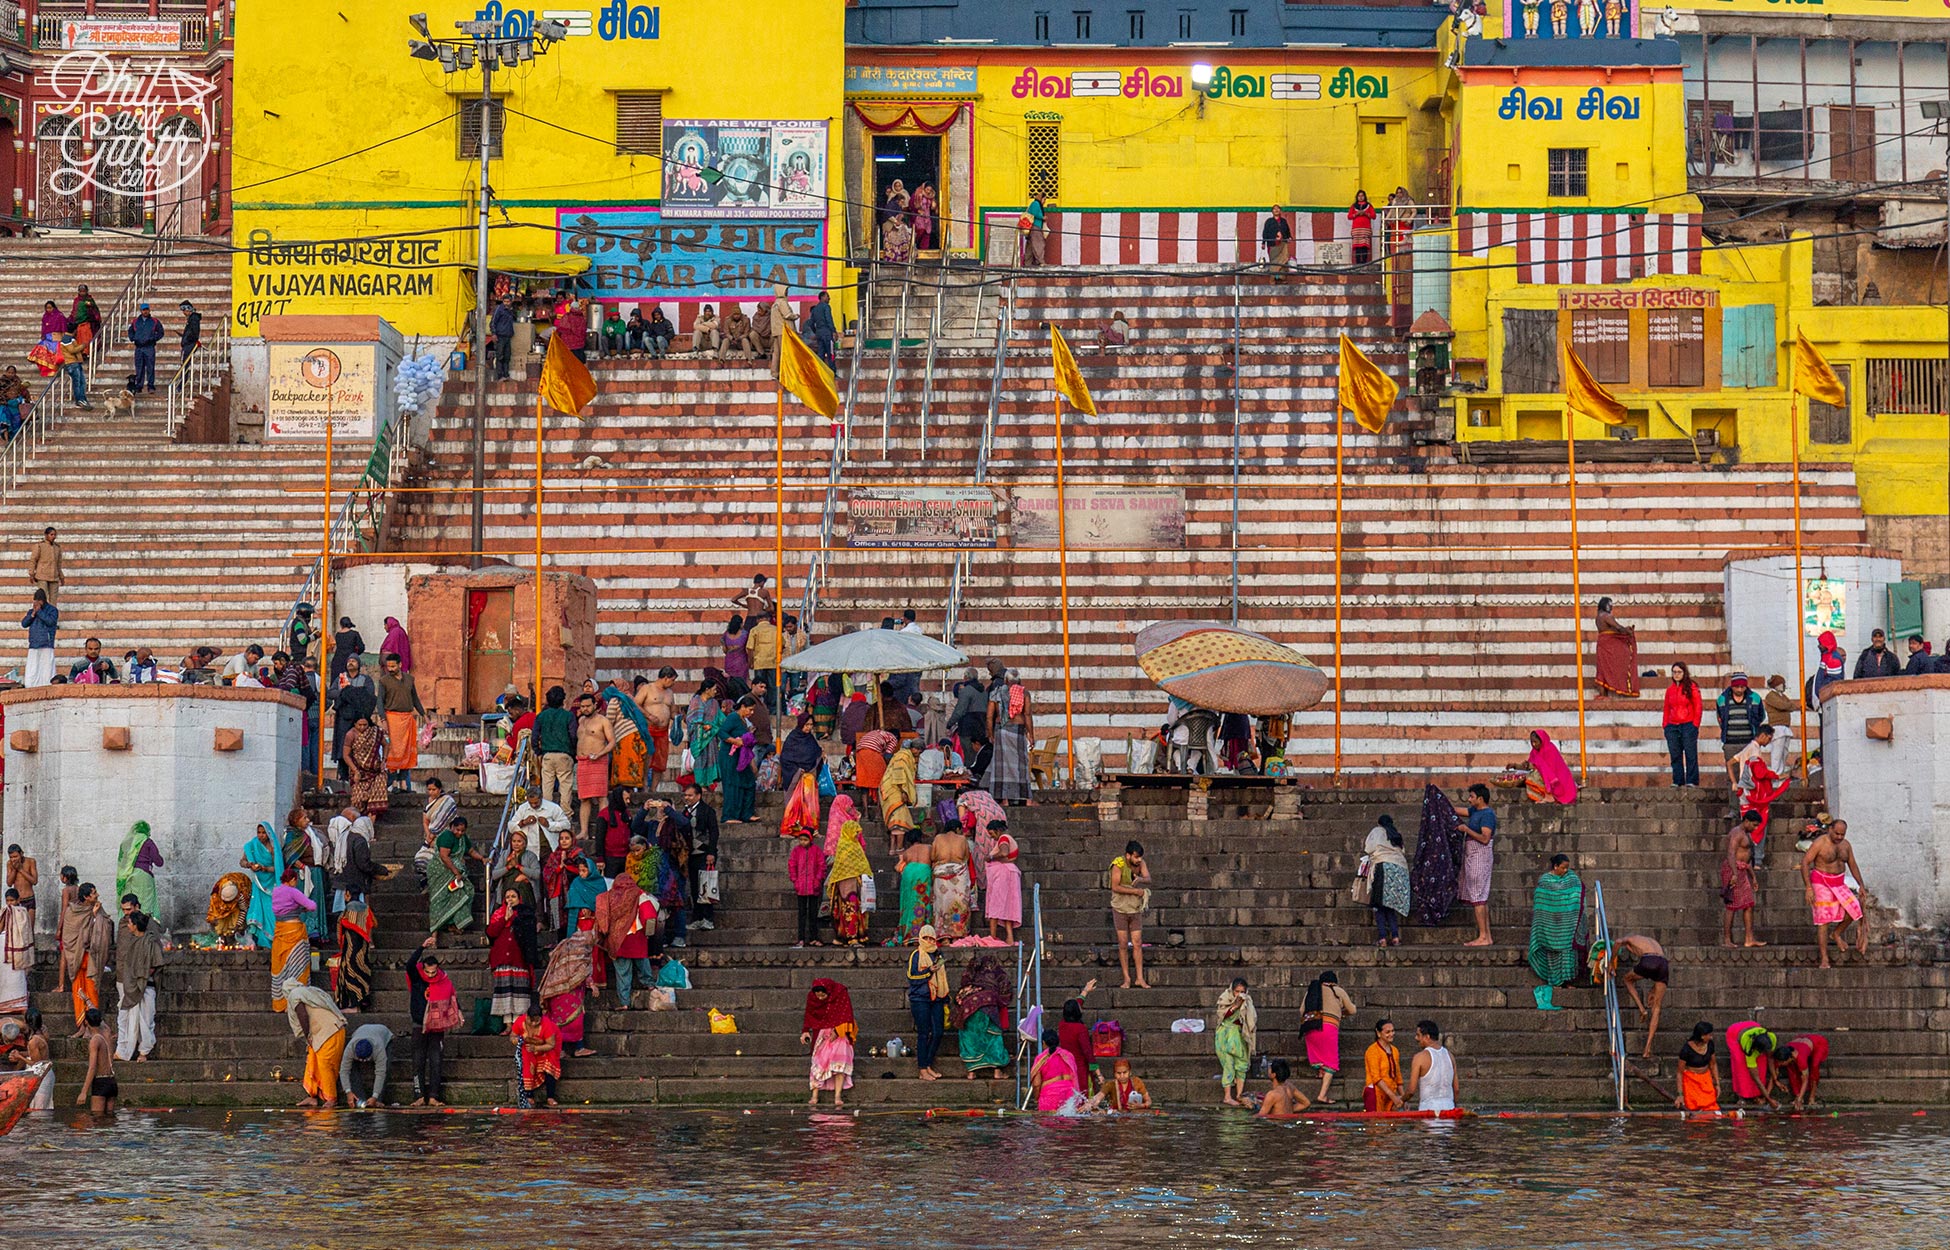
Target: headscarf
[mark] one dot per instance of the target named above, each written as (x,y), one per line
(1552,770)
(801,751)
(832,1009)
(616,911)
(983,984)
(570,965)
(1438,857)
(629,708)
(845,848)
(1238,1003)
(397,643)
(842,811)
(583,892)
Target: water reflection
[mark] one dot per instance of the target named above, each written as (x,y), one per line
(773,1179)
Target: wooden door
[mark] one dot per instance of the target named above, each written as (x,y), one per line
(490,646)
(1851,143)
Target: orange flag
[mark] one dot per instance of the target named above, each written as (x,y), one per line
(807,377)
(1585,395)
(1069,380)
(1364,389)
(566,383)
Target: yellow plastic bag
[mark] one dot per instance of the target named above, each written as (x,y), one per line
(723,1021)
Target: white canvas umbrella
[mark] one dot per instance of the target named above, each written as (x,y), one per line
(876,651)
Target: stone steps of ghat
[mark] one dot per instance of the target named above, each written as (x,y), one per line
(1885,1016)
(33,271)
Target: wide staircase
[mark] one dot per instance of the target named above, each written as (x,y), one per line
(1457,604)
(1238,895)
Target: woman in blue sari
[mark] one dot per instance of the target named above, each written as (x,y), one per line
(263,859)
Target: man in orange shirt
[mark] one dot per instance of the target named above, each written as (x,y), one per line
(1383,1084)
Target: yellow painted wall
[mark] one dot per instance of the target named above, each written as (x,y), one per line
(1238,152)
(314,80)
(1900,458)
(1502,160)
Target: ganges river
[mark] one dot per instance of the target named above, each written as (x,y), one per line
(662,1177)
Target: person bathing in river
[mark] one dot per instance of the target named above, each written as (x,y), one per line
(1699,1072)
(1284,1098)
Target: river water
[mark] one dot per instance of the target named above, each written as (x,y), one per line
(776,1179)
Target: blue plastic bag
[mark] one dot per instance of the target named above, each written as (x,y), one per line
(827,789)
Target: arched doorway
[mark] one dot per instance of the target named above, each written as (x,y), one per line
(119,172)
(9,177)
(57,199)
(178,176)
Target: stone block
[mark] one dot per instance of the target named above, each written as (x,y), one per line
(115,737)
(228,739)
(1879,728)
(25,740)
(1109,800)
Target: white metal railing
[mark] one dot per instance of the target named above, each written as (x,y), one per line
(199,376)
(1614,1021)
(10,22)
(1029,993)
(56,397)
(964,562)
(816,571)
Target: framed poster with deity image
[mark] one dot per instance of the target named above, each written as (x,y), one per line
(1824,606)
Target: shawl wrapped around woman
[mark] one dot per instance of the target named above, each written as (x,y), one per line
(628,706)
(897,790)
(845,849)
(616,911)
(829,1006)
(1236,1003)
(1314,1004)
(582,892)
(801,808)
(1552,770)
(983,984)
(570,965)
(135,868)
(1555,909)
(397,643)
(1438,857)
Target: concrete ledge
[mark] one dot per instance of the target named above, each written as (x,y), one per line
(1882,685)
(151,690)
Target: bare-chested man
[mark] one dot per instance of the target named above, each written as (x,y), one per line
(594,741)
(954,885)
(23,874)
(1828,894)
(653,697)
(98,1088)
(1643,960)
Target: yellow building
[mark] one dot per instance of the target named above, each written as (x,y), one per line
(579,132)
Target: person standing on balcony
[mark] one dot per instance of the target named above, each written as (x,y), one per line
(1360,216)
(43,619)
(44,565)
(144,332)
(1878,660)
(192,328)
(501,326)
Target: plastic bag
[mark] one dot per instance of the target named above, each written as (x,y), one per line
(827,789)
(868,895)
(707,885)
(1141,756)
(1089,765)
(770,776)
(426,734)
(686,762)
(674,974)
(723,1021)
(663,998)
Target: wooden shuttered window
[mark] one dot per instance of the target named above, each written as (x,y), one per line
(640,122)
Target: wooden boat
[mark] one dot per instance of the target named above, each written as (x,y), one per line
(17,1094)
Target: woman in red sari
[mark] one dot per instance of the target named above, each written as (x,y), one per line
(540,1044)
(1618,654)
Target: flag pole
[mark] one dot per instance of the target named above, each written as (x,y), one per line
(537,692)
(1063,573)
(1577,592)
(324,595)
(778,556)
(1340,424)
(1800,590)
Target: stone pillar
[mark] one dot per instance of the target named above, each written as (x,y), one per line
(1109,800)
(1286,800)
(1198,799)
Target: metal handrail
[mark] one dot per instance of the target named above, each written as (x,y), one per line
(964,562)
(200,374)
(500,846)
(1029,976)
(816,569)
(894,359)
(1614,1021)
(54,398)
(927,378)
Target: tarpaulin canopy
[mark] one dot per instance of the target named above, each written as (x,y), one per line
(875,651)
(1225,669)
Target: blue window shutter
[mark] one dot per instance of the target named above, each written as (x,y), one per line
(1747,346)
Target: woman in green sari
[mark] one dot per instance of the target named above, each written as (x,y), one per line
(135,868)
(980,1006)
(739,771)
(917,888)
(701,736)
(450,894)
(1555,909)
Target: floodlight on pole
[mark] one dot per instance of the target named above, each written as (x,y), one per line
(421,50)
(419,21)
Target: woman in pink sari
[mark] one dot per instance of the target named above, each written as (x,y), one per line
(571,968)
(1054,1076)
(1550,777)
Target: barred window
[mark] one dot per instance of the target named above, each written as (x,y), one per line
(468,146)
(1045,160)
(1137,23)
(1829,423)
(1567,172)
(640,122)
(1899,385)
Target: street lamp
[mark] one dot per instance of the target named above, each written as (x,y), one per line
(482,43)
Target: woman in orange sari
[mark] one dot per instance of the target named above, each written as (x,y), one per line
(1618,654)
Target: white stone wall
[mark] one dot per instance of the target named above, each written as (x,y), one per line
(1763,616)
(1894,794)
(369,593)
(72,801)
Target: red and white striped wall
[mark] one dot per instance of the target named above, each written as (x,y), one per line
(1163,237)
(1585,247)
